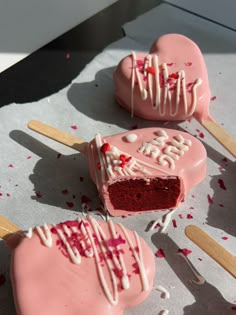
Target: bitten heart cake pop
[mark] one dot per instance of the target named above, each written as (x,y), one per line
(141,170)
(80,267)
(169,83)
(145,169)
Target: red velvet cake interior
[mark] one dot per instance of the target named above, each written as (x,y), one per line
(140,194)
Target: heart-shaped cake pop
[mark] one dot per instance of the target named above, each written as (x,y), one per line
(170,83)
(145,169)
(81,267)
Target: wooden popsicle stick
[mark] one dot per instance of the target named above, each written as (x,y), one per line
(7,228)
(58,135)
(217,252)
(225,139)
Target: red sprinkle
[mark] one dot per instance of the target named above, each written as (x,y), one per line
(99,166)
(188,64)
(181,216)
(58,155)
(224,238)
(210,200)
(29,157)
(38,194)
(174,223)
(74,127)
(170,64)
(65,192)
(174,76)
(68,56)
(221,184)
(213,98)
(160,253)
(189,216)
(10,165)
(70,204)
(233,308)
(151,70)
(185,251)
(201,135)
(105,147)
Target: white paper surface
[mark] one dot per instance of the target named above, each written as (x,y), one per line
(37,185)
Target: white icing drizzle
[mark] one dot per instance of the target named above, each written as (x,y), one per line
(166,294)
(154,85)
(200,280)
(29,233)
(95,242)
(45,235)
(111,163)
(164,221)
(138,257)
(179,145)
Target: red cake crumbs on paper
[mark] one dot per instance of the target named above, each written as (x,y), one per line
(185,251)
(160,253)
(221,184)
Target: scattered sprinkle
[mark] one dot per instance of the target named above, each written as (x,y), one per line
(188,64)
(70,204)
(10,165)
(29,157)
(160,253)
(224,238)
(65,192)
(68,56)
(85,199)
(38,194)
(105,147)
(213,98)
(81,179)
(200,259)
(185,251)
(210,200)
(58,155)
(221,184)
(221,205)
(170,64)
(74,127)
(181,216)
(174,223)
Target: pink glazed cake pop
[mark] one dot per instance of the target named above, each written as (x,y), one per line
(170,83)
(145,169)
(81,267)
(137,171)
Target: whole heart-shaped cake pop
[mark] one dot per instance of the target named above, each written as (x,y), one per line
(81,267)
(169,83)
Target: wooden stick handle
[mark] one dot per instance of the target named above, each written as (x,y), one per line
(212,248)
(220,135)
(58,135)
(7,228)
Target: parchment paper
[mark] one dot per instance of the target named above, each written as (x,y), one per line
(44,181)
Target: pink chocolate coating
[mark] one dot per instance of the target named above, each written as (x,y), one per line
(145,156)
(46,281)
(183,82)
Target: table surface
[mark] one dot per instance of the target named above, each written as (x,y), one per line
(68,84)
